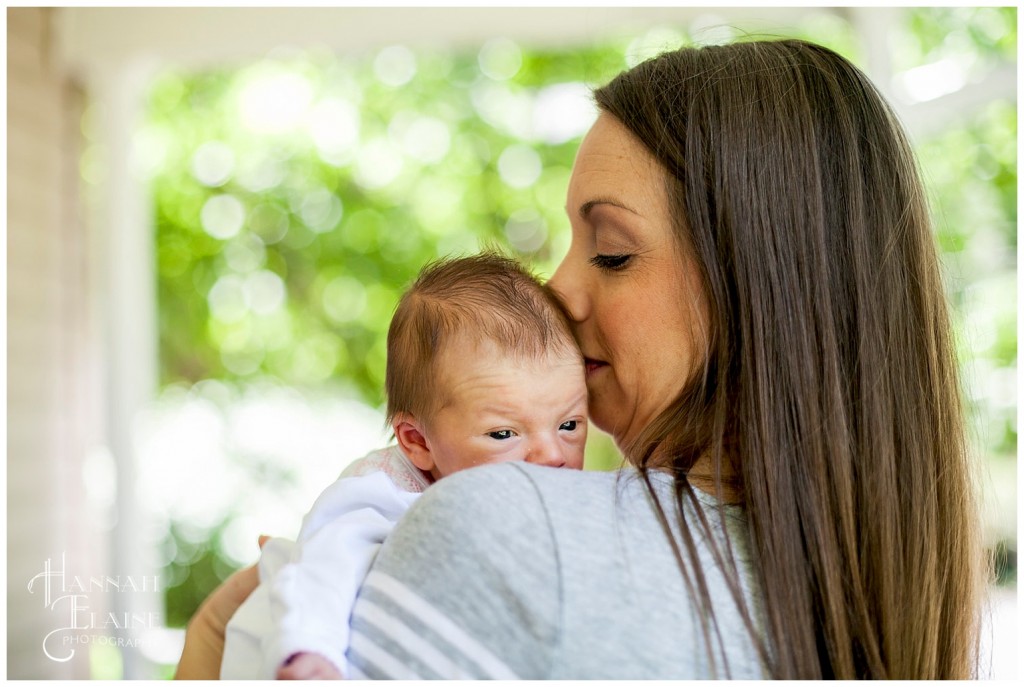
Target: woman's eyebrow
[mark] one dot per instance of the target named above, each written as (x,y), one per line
(585,209)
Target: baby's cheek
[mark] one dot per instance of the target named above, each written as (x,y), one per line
(575,459)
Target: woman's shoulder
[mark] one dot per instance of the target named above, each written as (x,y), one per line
(505,517)
(493,495)
(516,557)
(472,565)
(493,492)
(525,477)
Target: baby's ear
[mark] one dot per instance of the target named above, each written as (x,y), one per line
(413,442)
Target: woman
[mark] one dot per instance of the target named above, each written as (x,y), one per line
(753,282)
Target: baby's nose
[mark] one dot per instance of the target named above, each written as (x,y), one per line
(545,453)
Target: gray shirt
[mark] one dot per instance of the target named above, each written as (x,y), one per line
(520,571)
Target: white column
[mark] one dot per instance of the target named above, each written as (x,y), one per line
(126,293)
(47,361)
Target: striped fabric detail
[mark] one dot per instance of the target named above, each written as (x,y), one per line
(398,634)
(387,665)
(353,673)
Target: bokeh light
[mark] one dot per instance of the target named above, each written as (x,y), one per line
(378,163)
(519,166)
(500,59)
(395,65)
(222,216)
(563,112)
(213,163)
(334,127)
(273,100)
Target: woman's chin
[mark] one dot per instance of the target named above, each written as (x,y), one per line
(608,425)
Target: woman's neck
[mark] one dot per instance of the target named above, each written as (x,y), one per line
(702,477)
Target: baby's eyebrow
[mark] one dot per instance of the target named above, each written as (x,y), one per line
(497,410)
(509,411)
(577,400)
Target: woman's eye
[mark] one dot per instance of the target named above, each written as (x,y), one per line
(569,425)
(610,262)
(501,434)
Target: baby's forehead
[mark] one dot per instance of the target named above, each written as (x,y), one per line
(469,350)
(471,369)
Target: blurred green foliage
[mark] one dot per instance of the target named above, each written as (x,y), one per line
(971,172)
(274,261)
(295,197)
(192,571)
(987,35)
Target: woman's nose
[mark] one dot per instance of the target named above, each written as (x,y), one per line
(567,285)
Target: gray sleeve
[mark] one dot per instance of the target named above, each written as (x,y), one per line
(466,586)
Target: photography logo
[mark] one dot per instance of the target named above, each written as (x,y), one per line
(67,597)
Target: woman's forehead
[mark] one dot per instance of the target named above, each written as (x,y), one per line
(612,163)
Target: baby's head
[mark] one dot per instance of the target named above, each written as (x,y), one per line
(482,368)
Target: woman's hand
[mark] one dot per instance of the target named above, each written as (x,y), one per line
(204,637)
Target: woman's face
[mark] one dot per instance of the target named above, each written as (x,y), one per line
(635,300)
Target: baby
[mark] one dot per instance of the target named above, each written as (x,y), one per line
(481,368)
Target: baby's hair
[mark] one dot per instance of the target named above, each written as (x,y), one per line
(487,297)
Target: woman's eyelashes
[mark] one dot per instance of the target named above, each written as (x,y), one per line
(611,263)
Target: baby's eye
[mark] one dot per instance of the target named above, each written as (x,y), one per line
(501,434)
(569,425)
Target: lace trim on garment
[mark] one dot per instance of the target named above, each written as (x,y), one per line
(393,463)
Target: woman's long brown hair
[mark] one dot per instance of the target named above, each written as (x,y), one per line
(831,385)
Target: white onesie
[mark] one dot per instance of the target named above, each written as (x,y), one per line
(307,588)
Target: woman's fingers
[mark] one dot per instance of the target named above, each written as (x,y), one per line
(204,637)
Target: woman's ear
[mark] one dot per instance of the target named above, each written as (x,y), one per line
(413,442)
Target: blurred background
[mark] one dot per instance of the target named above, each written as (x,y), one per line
(211,214)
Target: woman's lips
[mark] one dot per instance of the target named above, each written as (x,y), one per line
(594,365)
